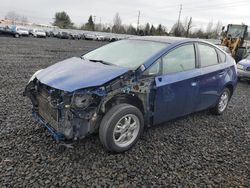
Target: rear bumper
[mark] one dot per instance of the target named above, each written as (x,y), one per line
(56,135)
(243,74)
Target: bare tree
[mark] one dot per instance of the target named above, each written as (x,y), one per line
(24,19)
(188,26)
(209,27)
(177,30)
(117,23)
(218,28)
(14,17)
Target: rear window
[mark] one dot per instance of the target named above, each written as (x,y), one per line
(208,55)
(222,56)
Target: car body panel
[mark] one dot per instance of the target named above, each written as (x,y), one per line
(160,97)
(38,33)
(245,63)
(243,74)
(208,85)
(22,31)
(76,73)
(175,95)
(243,68)
(8,31)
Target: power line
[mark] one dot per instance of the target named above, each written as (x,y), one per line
(215,6)
(206,5)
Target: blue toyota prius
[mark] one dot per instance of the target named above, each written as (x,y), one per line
(122,87)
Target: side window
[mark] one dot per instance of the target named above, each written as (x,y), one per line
(153,69)
(222,56)
(208,55)
(180,59)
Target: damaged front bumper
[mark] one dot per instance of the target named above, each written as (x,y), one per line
(56,135)
(53,109)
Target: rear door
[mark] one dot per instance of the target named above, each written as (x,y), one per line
(177,86)
(212,71)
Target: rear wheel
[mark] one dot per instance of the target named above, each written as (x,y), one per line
(222,103)
(121,127)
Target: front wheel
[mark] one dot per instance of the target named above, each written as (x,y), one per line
(222,103)
(121,127)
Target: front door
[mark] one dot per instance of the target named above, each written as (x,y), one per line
(177,87)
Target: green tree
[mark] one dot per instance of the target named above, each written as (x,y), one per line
(90,25)
(62,20)
(159,30)
(131,30)
(152,30)
(106,29)
(147,29)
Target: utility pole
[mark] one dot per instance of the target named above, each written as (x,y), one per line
(94,19)
(179,17)
(100,23)
(138,20)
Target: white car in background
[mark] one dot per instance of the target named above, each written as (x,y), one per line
(100,37)
(38,33)
(22,31)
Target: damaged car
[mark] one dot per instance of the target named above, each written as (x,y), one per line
(243,69)
(125,86)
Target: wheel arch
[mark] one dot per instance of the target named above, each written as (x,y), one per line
(133,100)
(230,87)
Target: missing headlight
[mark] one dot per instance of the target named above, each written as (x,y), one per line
(82,101)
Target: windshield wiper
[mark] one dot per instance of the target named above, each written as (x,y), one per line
(100,61)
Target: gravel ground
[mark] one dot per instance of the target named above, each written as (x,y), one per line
(200,150)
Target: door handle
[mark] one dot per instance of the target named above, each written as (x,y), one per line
(194,84)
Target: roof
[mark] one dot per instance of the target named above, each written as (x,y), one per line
(165,39)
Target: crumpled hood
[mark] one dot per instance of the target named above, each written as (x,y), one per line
(245,62)
(75,73)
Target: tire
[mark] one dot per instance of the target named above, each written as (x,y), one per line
(17,35)
(221,106)
(109,128)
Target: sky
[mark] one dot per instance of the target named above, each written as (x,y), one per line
(156,12)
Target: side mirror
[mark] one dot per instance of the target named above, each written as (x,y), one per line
(223,27)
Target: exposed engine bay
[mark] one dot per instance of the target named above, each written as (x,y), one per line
(74,115)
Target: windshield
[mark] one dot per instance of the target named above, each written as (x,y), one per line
(236,31)
(126,53)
